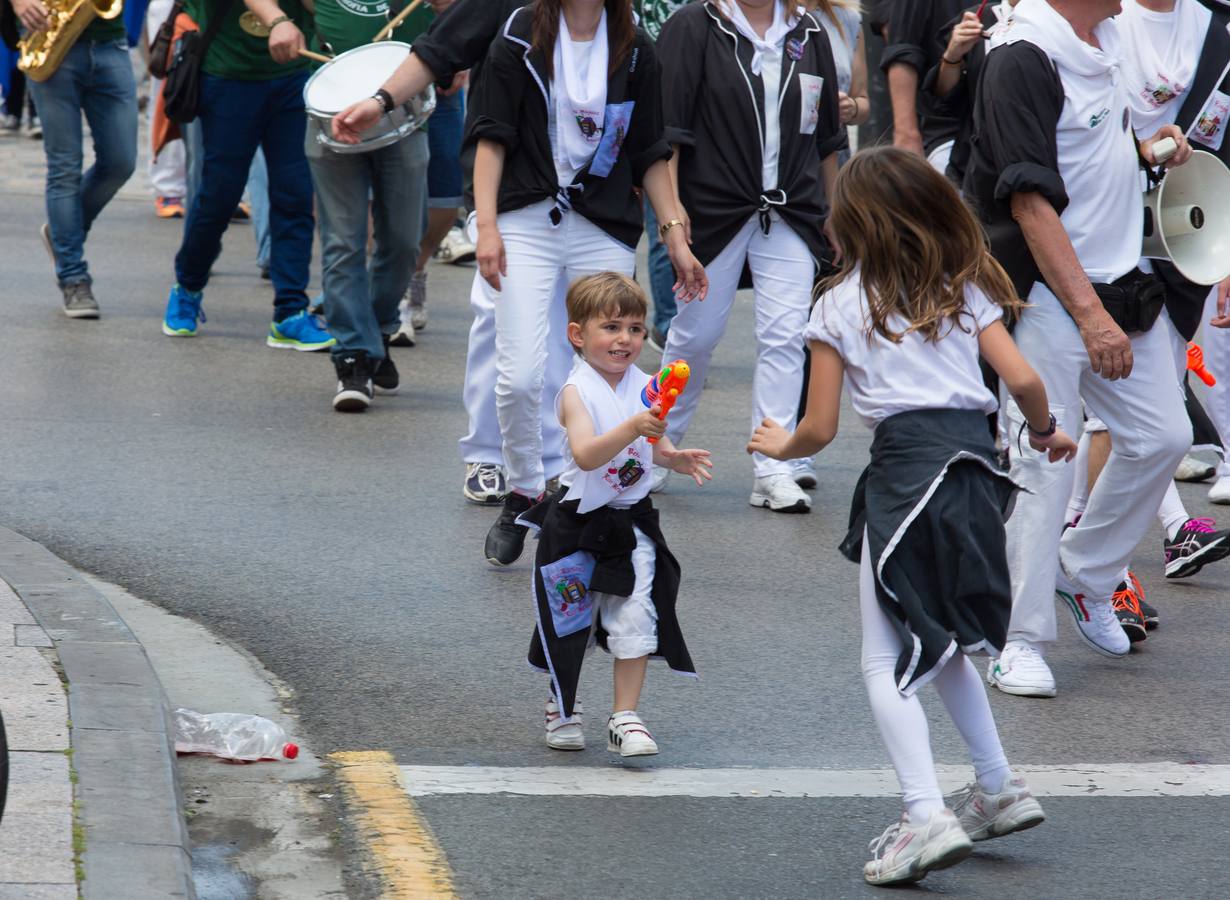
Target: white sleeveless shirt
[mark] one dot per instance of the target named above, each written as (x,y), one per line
(627,477)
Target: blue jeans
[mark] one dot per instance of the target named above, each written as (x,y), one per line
(360,305)
(257,187)
(661,274)
(444,133)
(237,117)
(95,78)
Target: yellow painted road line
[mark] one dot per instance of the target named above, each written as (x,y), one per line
(402,847)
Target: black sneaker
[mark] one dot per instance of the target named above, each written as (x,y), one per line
(506,539)
(384,376)
(1196,545)
(354,382)
(1127,610)
(1152,620)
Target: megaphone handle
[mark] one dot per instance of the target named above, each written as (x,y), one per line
(1163,150)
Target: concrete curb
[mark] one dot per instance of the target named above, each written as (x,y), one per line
(136,838)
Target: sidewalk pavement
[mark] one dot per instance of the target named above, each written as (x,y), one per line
(93,792)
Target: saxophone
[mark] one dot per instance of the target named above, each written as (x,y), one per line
(42,52)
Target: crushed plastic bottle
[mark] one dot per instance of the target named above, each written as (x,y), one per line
(231,736)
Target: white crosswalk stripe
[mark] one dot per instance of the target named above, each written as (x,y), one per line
(1142,780)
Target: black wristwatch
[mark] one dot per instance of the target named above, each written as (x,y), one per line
(385,99)
(1043,434)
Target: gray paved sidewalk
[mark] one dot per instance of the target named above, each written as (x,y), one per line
(36,835)
(122,795)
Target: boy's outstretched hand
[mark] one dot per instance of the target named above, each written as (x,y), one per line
(770,439)
(693,463)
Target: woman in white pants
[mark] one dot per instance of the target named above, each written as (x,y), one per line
(750,96)
(567,124)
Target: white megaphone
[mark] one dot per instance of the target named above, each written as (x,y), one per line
(1187,216)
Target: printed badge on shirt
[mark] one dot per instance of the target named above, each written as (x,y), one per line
(1159,91)
(566,582)
(809,90)
(622,475)
(617,119)
(1210,127)
(589,121)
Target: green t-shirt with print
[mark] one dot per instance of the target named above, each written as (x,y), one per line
(236,54)
(105,30)
(346,24)
(654,13)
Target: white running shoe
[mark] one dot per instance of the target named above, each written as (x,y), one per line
(805,473)
(1095,619)
(1022,671)
(485,484)
(1220,492)
(1193,469)
(984,815)
(416,296)
(455,248)
(907,852)
(627,735)
(780,494)
(404,336)
(563,735)
(660,474)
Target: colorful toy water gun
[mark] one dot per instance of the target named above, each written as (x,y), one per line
(665,388)
(1195,362)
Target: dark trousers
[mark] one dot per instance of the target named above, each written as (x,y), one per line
(236,118)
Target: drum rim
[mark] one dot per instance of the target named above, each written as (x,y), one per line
(351,52)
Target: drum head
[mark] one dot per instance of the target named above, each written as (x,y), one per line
(353,76)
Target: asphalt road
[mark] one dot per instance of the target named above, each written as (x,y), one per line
(212,477)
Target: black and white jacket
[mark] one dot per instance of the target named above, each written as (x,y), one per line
(1185,300)
(714,107)
(511,106)
(912,26)
(609,535)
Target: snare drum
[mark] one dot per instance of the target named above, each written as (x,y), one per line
(356,75)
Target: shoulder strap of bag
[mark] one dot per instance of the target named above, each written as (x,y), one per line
(215,22)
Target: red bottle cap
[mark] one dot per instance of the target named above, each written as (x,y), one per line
(290,751)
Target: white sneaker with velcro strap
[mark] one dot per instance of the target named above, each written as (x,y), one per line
(563,735)
(628,736)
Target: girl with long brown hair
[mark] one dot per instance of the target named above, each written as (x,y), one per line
(917,298)
(567,123)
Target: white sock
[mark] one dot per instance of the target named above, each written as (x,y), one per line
(919,812)
(1172,513)
(993,781)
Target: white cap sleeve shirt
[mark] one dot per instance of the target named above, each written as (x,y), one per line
(883,378)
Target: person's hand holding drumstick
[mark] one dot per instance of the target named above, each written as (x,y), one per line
(286,41)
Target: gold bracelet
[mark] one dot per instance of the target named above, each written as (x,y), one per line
(278,21)
(667,226)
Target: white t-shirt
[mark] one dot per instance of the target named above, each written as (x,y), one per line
(626,479)
(582,51)
(1159,75)
(883,378)
(771,75)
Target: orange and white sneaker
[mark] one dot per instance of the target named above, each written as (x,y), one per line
(168,207)
(628,736)
(563,735)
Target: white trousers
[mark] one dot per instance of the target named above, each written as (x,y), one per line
(483,443)
(539,259)
(168,171)
(1216,345)
(631,623)
(1150,433)
(782,276)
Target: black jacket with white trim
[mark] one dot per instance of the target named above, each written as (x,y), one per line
(714,108)
(511,107)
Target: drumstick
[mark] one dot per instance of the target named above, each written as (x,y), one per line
(319,57)
(981,7)
(397,20)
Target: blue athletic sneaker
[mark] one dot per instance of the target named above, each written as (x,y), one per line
(299,332)
(183,312)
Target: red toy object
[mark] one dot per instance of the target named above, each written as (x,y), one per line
(1195,362)
(666,387)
